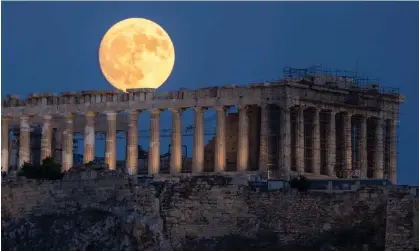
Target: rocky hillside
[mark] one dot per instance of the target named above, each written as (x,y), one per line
(97,210)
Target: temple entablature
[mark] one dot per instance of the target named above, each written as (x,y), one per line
(280,93)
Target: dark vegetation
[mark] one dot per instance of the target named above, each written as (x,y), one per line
(48,170)
(301,183)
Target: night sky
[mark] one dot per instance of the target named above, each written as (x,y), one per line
(53,47)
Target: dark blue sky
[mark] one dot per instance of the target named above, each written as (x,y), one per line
(53,47)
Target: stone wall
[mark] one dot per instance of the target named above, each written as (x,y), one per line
(210,207)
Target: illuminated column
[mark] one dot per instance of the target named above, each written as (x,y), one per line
(220,145)
(286,140)
(89,137)
(110,155)
(176,154)
(362,148)
(316,142)
(392,134)
(154,148)
(4,144)
(198,141)
(46,140)
(379,150)
(348,143)
(24,140)
(331,145)
(299,143)
(243,144)
(67,152)
(132,143)
(263,146)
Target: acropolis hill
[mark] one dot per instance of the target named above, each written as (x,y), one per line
(310,122)
(96,209)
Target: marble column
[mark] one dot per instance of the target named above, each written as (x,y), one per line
(176,149)
(299,143)
(110,155)
(362,148)
(316,142)
(347,124)
(132,142)
(286,141)
(263,146)
(243,140)
(198,141)
(89,137)
(24,141)
(331,145)
(379,150)
(4,144)
(154,148)
(46,140)
(67,151)
(220,142)
(392,134)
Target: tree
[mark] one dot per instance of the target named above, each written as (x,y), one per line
(48,170)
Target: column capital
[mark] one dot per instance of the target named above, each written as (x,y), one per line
(111,115)
(154,111)
(302,106)
(176,110)
(6,117)
(89,114)
(220,108)
(263,105)
(68,116)
(333,112)
(199,108)
(242,107)
(47,118)
(316,109)
(133,111)
(24,117)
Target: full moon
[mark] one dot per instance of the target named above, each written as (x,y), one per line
(136,53)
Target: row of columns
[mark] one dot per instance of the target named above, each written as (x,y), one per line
(198,141)
(330,143)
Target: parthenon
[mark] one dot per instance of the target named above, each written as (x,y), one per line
(314,124)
